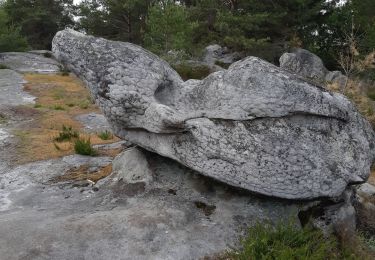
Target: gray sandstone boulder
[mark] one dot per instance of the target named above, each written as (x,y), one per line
(304,63)
(253,126)
(131,166)
(215,52)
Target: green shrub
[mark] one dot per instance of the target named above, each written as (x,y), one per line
(37,105)
(3,67)
(284,242)
(83,146)
(222,64)
(371,95)
(3,119)
(188,71)
(106,135)
(58,107)
(66,134)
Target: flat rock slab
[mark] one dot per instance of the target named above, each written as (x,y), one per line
(11,89)
(94,123)
(29,62)
(181,215)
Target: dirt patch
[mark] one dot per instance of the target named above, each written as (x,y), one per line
(59,99)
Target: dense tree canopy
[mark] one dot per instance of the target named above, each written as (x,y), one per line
(263,28)
(39,20)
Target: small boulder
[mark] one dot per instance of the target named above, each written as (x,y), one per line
(131,167)
(304,63)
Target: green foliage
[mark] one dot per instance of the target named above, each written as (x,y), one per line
(285,241)
(106,135)
(3,67)
(83,146)
(371,95)
(113,19)
(10,37)
(168,28)
(58,107)
(188,71)
(66,134)
(222,64)
(39,20)
(37,105)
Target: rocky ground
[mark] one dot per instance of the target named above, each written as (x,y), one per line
(55,204)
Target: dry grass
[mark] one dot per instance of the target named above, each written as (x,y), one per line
(36,140)
(83,173)
(371,180)
(363,103)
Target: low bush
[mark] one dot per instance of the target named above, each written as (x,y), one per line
(3,67)
(58,107)
(222,64)
(66,134)
(83,146)
(285,241)
(106,135)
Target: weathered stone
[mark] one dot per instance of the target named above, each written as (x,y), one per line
(131,166)
(29,62)
(253,126)
(215,52)
(304,63)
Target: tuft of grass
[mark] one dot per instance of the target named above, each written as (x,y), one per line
(84,105)
(66,134)
(106,135)
(3,67)
(83,146)
(3,119)
(37,105)
(56,146)
(285,241)
(70,104)
(58,107)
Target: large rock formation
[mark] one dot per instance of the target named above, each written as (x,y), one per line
(253,126)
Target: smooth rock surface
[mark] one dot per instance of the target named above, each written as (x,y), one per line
(131,166)
(94,123)
(11,89)
(181,215)
(29,62)
(253,126)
